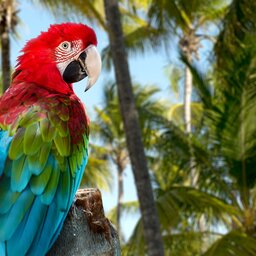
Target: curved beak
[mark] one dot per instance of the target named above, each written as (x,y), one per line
(92,65)
(87,64)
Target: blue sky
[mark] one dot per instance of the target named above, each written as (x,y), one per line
(147,69)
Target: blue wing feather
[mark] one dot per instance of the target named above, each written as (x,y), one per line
(5,140)
(30,223)
(76,182)
(2,249)
(20,174)
(10,221)
(7,197)
(23,237)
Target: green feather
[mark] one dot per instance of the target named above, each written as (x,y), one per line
(47,130)
(54,119)
(62,144)
(16,147)
(63,113)
(80,156)
(30,118)
(39,183)
(20,174)
(44,153)
(62,128)
(86,141)
(72,164)
(32,139)
(51,187)
(63,193)
(38,161)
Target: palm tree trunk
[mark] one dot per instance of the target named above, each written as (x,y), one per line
(120,194)
(6,14)
(189,44)
(187,100)
(135,146)
(188,127)
(187,120)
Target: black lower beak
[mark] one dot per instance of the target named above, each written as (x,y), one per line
(75,70)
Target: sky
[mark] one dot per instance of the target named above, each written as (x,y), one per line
(147,69)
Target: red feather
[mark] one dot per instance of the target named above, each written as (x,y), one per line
(17,100)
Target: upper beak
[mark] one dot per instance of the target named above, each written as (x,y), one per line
(92,65)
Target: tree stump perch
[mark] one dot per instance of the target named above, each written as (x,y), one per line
(86,231)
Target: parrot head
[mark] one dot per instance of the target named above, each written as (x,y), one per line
(64,54)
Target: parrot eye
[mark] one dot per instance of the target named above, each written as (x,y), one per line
(65,45)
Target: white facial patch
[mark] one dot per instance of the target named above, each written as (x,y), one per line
(66,55)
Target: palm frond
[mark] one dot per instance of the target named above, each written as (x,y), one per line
(233,244)
(97,171)
(140,40)
(188,243)
(238,31)
(76,9)
(129,208)
(182,199)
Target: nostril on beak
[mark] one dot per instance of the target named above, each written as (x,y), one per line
(81,60)
(83,56)
(82,65)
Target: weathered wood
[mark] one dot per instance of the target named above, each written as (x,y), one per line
(86,231)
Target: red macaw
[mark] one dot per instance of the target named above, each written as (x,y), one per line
(44,137)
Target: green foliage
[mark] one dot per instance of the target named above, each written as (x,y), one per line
(223,144)
(185,14)
(76,9)
(177,208)
(130,207)
(237,34)
(233,244)
(97,172)
(108,126)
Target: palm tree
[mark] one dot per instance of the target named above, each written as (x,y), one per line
(224,149)
(235,125)
(175,18)
(185,19)
(180,207)
(132,130)
(229,112)
(8,23)
(109,128)
(230,150)
(224,152)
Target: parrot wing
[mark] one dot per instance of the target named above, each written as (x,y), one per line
(40,171)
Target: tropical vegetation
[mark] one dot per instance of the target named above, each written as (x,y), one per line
(197,187)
